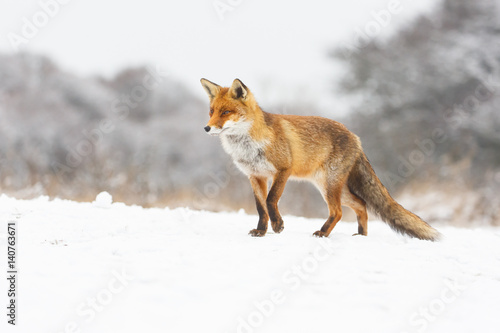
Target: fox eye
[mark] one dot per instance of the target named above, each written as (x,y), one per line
(225,112)
(211,112)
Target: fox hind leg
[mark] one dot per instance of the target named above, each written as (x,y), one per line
(332,193)
(358,205)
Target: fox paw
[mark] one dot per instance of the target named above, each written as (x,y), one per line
(358,234)
(257,233)
(277,226)
(320,233)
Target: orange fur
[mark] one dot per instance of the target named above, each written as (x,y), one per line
(275,147)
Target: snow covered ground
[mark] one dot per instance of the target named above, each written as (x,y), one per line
(102,267)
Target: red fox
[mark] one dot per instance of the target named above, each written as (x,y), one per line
(274,147)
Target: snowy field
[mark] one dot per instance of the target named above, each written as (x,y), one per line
(101,267)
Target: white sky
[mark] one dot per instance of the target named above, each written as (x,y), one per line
(278,48)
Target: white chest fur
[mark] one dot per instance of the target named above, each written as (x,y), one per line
(248,154)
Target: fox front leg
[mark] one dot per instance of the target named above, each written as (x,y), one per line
(259,186)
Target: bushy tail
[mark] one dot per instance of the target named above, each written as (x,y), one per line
(364,183)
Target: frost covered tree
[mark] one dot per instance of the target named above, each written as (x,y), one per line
(138,135)
(430,97)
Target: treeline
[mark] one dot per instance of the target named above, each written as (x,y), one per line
(430,100)
(138,136)
(427,113)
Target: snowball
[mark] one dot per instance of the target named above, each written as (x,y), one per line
(103,200)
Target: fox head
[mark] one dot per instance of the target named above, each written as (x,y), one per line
(231,109)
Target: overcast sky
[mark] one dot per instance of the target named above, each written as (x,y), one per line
(278,48)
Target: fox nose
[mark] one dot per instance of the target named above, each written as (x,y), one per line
(207,128)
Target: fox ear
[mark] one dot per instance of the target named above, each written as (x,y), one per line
(211,88)
(238,90)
